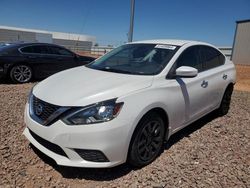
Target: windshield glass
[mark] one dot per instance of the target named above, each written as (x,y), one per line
(5,45)
(2,45)
(139,59)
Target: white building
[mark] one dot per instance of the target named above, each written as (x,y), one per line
(241,45)
(69,40)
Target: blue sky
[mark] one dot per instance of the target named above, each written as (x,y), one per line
(212,21)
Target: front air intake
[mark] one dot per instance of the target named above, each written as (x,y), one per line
(92,155)
(50,146)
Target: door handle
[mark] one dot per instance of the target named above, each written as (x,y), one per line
(224,76)
(204,84)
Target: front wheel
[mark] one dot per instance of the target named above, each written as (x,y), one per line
(21,74)
(147,141)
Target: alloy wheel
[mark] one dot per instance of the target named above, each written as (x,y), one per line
(21,73)
(147,140)
(150,140)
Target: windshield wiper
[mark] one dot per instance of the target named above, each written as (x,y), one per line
(116,70)
(108,69)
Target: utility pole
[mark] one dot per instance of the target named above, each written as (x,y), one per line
(131,28)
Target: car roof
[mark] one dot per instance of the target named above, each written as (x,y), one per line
(35,43)
(170,42)
(20,44)
(7,46)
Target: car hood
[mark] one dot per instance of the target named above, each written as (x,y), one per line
(83,86)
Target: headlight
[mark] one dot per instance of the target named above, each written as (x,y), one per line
(97,113)
(30,94)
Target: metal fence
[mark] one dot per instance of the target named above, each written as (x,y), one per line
(94,51)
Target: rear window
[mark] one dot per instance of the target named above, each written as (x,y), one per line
(59,51)
(211,57)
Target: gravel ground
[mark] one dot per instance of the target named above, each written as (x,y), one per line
(213,152)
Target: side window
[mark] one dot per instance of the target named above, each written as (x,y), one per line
(40,49)
(28,49)
(190,57)
(59,51)
(211,57)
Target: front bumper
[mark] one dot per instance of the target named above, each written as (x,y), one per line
(110,138)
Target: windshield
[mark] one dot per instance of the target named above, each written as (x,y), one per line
(139,59)
(5,45)
(2,45)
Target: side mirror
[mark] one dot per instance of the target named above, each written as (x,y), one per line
(185,71)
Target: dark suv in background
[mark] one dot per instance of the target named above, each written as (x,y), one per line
(22,62)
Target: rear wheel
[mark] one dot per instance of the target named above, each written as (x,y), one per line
(147,141)
(21,74)
(225,103)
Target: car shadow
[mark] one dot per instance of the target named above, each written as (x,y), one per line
(4,81)
(108,174)
(185,132)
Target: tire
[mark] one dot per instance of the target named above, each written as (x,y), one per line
(21,73)
(225,102)
(147,141)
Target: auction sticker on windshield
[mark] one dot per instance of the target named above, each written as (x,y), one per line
(162,46)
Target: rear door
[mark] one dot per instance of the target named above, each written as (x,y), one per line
(213,62)
(48,59)
(38,57)
(63,58)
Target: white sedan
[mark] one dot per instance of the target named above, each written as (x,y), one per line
(124,105)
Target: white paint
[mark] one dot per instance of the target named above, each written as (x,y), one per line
(164,46)
(183,99)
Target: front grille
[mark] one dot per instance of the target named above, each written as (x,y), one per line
(42,109)
(43,112)
(50,146)
(92,155)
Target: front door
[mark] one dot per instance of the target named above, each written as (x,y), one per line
(196,91)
